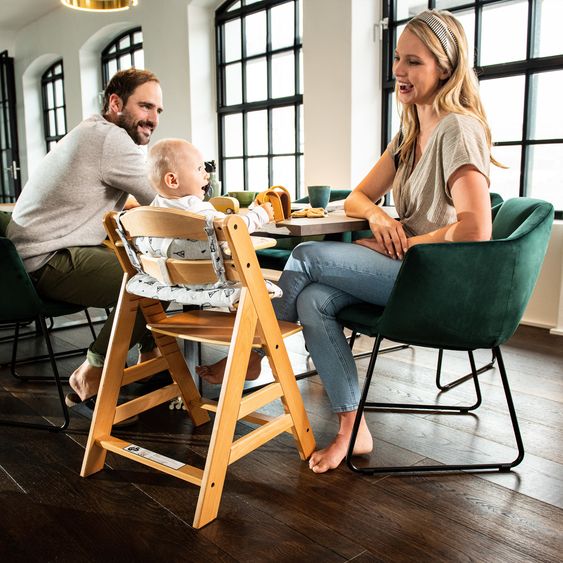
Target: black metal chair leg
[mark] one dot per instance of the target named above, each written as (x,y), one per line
(463,378)
(46,426)
(364,404)
(90,324)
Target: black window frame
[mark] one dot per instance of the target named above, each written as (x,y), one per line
(108,55)
(527,67)
(224,14)
(49,78)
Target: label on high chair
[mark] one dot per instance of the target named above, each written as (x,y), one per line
(153,456)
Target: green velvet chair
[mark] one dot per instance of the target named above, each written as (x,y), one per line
(459,296)
(20,303)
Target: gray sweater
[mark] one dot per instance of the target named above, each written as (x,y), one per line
(90,171)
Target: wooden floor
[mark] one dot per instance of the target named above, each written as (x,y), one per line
(273,507)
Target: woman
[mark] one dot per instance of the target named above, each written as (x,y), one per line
(440,188)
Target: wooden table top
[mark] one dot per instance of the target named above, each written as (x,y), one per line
(334,222)
(9,207)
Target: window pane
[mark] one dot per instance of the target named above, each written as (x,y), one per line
(283,25)
(301,132)
(257,132)
(234,7)
(284,173)
(409,8)
(139,59)
(283,130)
(234,178)
(50,96)
(232,40)
(59,95)
(232,134)
(52,125)
(61,122)
(548,37)
(255,33)
(506,182)
(283,75)
(233,84)
(124,43)
(447,4)
(503,99)
(500,42)
(467,20)
(546,117)
(300,90)
(545,173)
(137,37)
(258,174)
(256,80)
(112,67)
(112,50)
(125,61)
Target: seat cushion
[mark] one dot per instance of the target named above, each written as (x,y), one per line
(223,296)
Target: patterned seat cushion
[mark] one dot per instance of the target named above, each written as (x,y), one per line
(226,295)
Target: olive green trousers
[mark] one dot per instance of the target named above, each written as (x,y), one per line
(89,276)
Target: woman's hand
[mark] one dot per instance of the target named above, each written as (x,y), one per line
(389,237)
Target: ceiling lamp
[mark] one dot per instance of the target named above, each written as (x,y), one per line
(99,5)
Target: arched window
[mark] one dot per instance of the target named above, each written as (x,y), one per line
(123,52)
(54,107)
(260,95)
(520,68)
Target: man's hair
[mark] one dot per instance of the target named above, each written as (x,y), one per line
(124,83)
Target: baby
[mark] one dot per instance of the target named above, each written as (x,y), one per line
(177,172)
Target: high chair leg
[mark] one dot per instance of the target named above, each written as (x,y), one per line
(112,375)
(177,367)
(218,456)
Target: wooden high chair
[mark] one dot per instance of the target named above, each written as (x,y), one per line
(252,325)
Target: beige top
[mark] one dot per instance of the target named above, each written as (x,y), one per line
(421,195)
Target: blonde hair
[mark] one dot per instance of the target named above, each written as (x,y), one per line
(459,92)
(163,158)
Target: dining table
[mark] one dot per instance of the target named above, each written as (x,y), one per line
(7,207)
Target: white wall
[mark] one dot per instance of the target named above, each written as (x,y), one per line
(77,37)
(341,60)
(342,109)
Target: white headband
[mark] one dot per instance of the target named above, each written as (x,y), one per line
(443,32)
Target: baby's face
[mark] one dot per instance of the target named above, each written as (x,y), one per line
(192,177)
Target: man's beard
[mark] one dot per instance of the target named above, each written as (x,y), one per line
(125,121)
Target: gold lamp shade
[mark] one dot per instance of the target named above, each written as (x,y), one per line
(99,5)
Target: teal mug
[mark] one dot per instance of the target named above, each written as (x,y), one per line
(319,196)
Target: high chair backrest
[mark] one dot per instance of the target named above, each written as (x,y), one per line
(172,224)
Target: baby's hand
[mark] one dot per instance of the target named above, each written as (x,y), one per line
(269,210)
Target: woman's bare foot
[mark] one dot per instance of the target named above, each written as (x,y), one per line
(215,372)
(85,380)
(330,457)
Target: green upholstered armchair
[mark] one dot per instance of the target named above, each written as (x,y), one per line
(20,303)
(460,296)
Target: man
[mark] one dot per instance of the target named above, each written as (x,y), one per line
(57,221)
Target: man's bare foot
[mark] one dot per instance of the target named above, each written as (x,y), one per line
(330,457)
(85,380)
(215,372)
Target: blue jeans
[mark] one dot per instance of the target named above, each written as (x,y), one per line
(320,279)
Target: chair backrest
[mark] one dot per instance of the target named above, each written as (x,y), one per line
(169,224)
(18,299)
(473,294)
